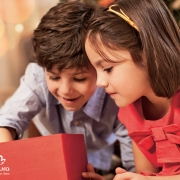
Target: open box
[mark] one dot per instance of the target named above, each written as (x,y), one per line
(54,157)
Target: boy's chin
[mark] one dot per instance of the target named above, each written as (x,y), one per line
(71,108)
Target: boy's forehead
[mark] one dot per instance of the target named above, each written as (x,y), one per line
(74,70)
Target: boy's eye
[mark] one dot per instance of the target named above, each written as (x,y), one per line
(108,69)
(54,78)
(79,80)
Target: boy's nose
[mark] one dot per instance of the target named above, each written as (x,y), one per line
(64,88)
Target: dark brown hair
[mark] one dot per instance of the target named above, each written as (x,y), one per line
(158,39)
(58,39)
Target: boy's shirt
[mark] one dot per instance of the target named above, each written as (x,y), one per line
(97,119)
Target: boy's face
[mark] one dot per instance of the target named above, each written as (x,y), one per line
(72,87)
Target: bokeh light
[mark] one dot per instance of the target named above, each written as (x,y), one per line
(16,11)
(105,3)
(19,28)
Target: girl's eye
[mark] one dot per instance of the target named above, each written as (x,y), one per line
(80,80)
(108,69)
(54,78)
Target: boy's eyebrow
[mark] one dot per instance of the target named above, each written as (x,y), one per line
(51,72)
(75,73)
(80,72)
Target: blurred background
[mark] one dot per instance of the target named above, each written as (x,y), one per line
(18,19)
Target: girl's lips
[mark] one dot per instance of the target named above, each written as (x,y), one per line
(110,93)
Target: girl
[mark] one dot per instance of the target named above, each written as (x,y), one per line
(135,49)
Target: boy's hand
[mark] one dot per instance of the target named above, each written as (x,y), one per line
(91,174)
(7,134)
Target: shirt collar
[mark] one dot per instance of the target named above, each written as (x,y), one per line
(53,100)
(94,106)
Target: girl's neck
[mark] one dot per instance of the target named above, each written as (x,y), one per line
(155,108)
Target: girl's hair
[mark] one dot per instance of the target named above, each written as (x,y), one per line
(58,40)
(157,39)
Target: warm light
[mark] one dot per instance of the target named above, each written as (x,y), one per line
(3,45)
(19,28)
(1,28)
(175,5)
(16,11)
(105,3)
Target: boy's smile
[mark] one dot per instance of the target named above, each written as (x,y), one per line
(72,87)
(70,101)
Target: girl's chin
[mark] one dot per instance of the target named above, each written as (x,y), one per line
(121,104)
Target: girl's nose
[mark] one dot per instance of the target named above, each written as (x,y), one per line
(101,82)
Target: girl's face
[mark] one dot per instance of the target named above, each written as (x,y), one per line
(124,81)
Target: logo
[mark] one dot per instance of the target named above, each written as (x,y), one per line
(2,160)
(3,170)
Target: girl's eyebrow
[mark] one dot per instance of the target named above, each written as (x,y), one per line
(99,62)
(115,61)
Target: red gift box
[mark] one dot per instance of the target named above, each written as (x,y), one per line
(55,157)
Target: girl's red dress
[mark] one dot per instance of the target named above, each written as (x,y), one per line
(159,140)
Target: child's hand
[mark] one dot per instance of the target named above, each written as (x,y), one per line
(122,174)
(91,174)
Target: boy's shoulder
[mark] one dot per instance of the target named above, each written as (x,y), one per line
(34,72)
(35,79)
(35,68)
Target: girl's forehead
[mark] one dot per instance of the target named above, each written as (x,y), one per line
(100,53)
(103,47)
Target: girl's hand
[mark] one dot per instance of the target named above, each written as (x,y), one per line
(91,174)
(122,174)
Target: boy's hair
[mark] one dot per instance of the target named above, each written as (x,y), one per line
(158,39)
(58,40)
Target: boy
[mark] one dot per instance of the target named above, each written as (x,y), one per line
(60,89)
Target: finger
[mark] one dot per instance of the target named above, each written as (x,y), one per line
(90,168)
(120,170)
(92,176)
(126,176)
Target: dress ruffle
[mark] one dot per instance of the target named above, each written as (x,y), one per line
(167,144)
